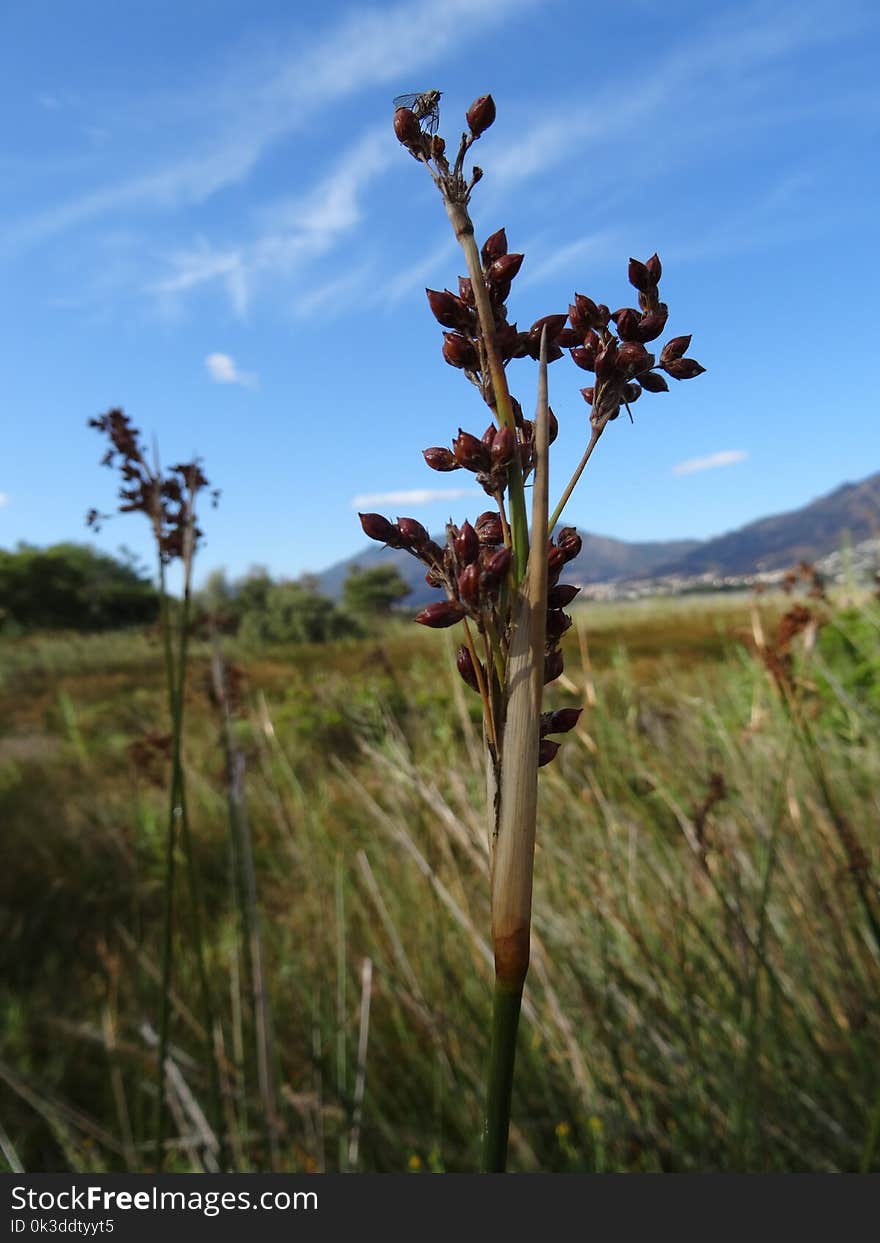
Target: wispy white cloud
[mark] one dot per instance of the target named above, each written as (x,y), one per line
(4,499)
(725,457)
(594,246)
(266,100)
(294,231)
(414,496)
(222,370)
(417,273)
(335,294)
(717,63)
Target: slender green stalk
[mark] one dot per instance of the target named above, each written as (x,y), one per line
(749,1088)
(572,483)
(244,884)
(168,912)
(176,670)
(341,969)
(189,854)
(502,1058)
(855,855)
(867,1157)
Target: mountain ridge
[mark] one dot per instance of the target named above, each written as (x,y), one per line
(850,512)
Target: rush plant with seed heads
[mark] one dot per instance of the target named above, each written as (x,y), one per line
(168,501)
(500,576)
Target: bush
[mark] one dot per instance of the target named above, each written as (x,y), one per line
(294,612)
(72,587)
(374,592)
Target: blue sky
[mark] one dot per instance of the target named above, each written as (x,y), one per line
(206,219)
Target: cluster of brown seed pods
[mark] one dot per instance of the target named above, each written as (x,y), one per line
(474,568)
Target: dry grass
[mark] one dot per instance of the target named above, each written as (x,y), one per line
(704,984)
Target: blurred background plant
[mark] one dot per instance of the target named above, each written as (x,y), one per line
(168,501)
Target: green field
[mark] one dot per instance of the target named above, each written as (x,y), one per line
(703,992)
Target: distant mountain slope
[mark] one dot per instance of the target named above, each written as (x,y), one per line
(850,512)
(601,560)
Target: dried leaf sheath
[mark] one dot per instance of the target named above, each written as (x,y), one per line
(513,856)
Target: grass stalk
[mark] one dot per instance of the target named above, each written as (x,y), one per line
(506,1006)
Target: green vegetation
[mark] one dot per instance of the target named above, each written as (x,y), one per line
(72,587)
(704,982)
(263,610)
(374,592)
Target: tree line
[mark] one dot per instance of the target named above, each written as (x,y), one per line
(71,586)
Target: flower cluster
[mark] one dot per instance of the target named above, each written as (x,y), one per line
(476,568)
(167,500)
(623,366)
(472,569)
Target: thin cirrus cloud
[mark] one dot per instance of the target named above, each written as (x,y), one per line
(725,457)
(223,370)
(4,499)
(754,38)
(295,230)
(268,100)
(415,496)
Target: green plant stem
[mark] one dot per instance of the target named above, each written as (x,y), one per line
(502,1057)
(749,1086)
(855,855)
(168,912)
(192,869)
(867,1158)
(176,670)
(572,483)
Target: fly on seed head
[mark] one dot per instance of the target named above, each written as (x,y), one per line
(425,106)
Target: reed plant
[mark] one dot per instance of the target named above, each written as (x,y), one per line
(500,577)
(168,500)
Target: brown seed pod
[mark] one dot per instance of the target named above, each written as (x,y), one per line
(407,128)
(470,452)
(379,528)
(466,544)
(640,276)
(653,382)
(414,534)
(480,115)
(496,567)
(465,665)
(683,368)
(547,750)
(554,663)
(561,595)
(494,247)
(488,528)
(441,614)
(676,347)
(560,721)
(459,351)
(448,309)
(439,458)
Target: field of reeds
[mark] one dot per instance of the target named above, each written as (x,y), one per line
(703,993)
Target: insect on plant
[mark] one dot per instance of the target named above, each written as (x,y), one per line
(424,106)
